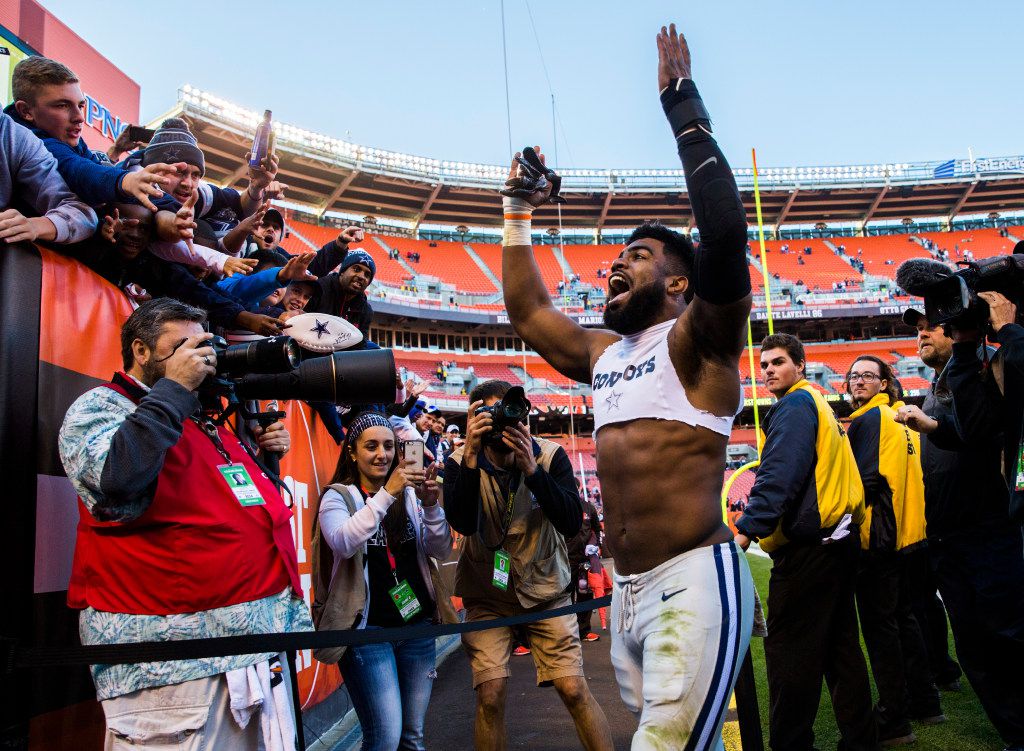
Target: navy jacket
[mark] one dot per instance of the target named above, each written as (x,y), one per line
(94,182)
(160,278)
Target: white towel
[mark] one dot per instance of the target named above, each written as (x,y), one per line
(263,688)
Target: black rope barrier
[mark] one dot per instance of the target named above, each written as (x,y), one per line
(26,656)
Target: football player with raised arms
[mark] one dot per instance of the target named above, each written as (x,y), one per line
(666,388)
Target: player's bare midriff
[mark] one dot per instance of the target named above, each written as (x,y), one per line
(661,483)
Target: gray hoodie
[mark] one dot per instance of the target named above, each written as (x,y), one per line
(29,179)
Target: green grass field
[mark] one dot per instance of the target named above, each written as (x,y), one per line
(966,728)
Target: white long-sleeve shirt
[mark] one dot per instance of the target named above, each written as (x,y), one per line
(346,534)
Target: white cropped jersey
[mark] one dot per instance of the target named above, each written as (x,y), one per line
(635,379)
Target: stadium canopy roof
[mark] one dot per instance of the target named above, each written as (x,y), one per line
(332,175)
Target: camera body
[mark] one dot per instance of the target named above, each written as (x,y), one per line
(513,408)
(954,300)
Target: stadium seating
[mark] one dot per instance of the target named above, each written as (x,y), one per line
(550,269)
(839,356)
(537,368)
(586,260)
(874,252)
(389,271)
(742,486)
(448,261)
(983,243)
(820,269)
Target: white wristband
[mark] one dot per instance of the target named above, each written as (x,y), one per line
(518,222)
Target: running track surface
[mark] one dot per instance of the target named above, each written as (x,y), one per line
(535,718)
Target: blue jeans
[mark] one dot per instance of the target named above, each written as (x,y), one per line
(389,685)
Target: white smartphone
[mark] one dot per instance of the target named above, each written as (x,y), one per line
(413,450)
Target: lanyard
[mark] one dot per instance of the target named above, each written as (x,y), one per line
(212,433)
(510,502)
(387,545)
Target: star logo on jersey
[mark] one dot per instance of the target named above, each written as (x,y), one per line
(613,399)
(320,327)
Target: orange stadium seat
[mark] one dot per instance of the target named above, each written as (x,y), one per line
(389,272)
(586,260)
(822,268)
(983,243)
(446,260)
(550,269)
(915,383)
(874,251)
(537,368)
(839,356)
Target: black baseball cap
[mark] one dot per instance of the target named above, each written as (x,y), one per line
(273,216)
(911,316)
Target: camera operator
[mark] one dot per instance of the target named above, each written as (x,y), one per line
(515,499)
(975,551)
(181,536)
(983,405)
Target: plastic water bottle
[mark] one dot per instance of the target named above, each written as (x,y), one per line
(261,142)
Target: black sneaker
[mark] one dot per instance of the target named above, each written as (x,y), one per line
(953,685)
(931,719)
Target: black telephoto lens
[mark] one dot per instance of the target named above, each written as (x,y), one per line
(275,354)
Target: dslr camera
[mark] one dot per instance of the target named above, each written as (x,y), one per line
(513,408)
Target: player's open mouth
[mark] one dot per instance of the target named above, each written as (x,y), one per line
(618,288)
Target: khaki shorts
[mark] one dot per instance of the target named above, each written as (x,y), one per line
(554,643)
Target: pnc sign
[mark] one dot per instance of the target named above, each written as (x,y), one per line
(99,117)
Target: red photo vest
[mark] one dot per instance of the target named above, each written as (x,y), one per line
(196,547)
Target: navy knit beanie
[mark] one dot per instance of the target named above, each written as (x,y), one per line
(358,255)
(173,142)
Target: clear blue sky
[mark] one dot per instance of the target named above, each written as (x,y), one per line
(805,81)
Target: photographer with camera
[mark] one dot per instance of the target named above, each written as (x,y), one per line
(975,550)
(981,300)
(514,497)
(181,536)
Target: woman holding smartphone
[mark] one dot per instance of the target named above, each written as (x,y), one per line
(384,512)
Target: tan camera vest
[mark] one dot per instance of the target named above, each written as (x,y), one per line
(537,552)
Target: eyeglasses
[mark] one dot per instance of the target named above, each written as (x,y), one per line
(866,377)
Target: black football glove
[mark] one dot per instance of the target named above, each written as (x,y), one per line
(535,176)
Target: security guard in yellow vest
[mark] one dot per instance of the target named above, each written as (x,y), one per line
(889,458)
(805,508)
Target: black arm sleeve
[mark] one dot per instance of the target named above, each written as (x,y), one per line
(406,407)
(328,258)
(461,497)
(556,493)
(136,454)
(720,273)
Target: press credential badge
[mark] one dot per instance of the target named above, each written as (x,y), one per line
(405,600)
(240,483)
(501,566)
